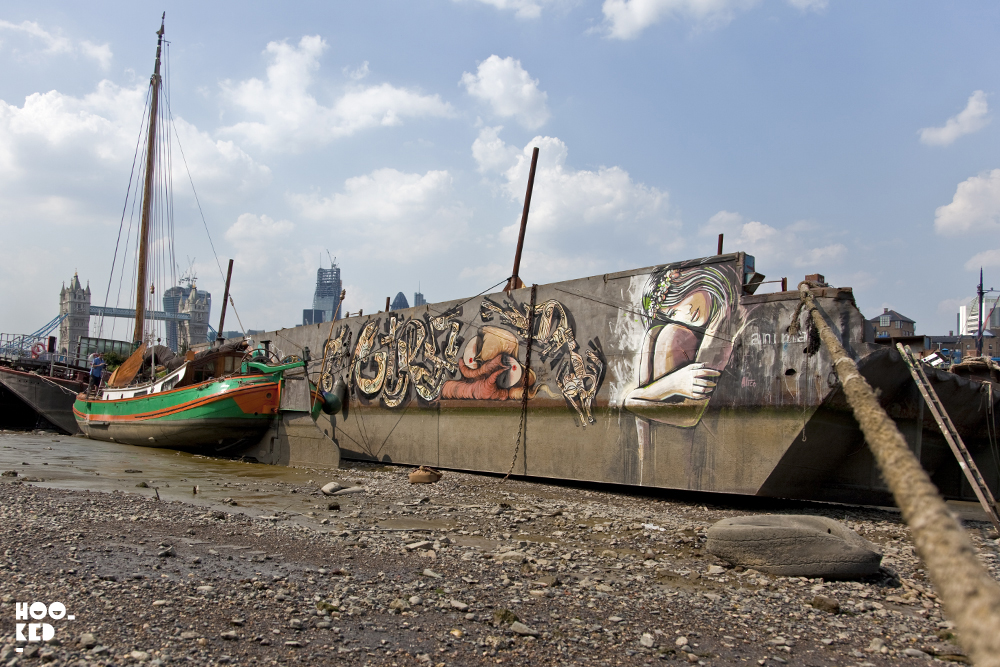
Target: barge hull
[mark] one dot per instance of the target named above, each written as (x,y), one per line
(673,376)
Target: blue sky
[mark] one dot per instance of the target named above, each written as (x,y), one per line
(847,138)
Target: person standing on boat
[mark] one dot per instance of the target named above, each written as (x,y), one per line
(96,372)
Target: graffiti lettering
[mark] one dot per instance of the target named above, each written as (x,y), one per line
(760,339)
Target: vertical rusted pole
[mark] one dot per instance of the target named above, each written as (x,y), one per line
(225,301)
(979,333)
(515,280)
(720,245)
(387,304)
(784,284)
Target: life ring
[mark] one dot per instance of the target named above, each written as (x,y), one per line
(37,350)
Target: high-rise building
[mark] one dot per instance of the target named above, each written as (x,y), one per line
(312,316)
(418,299)
(399,303)
(327,292)
(969,316)
(74,303)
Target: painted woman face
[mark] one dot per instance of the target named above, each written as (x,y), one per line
(693,310)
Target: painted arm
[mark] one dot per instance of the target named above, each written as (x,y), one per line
(694,381)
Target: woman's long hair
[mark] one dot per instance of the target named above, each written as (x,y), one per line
(667,287)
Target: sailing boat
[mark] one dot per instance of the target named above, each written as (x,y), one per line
(215,401)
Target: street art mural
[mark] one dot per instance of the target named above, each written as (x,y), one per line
(395,359)
(691,318)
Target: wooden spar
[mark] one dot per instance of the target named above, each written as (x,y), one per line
(515,280)
(225,301)
(147,194)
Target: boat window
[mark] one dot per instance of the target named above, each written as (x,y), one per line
(139,393)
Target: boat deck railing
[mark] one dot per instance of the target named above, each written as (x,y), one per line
(31,353)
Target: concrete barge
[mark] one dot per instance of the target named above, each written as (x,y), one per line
(675,376)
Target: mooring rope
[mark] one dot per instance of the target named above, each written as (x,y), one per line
(970,595)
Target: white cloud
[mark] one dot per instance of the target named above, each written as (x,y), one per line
(796,246)
(580,220)
(293,119)
(56,44)
(523,9)
(391,214)
(627,18)
(490,152)
(99,52)
(808,5)
(255,235)
(970,119)
(976,205)
(982,259)
(509,90)
(84,140)
(358,73)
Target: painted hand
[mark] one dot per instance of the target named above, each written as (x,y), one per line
(694,381)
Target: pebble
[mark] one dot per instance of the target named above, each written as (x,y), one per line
(522,629)
(916,653)
(826,603)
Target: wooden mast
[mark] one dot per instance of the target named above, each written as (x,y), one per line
(147,194)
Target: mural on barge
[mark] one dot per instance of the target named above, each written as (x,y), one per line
(396,359)
(691,317)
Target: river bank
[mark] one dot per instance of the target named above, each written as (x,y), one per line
(258,567)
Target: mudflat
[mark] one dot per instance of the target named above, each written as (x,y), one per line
(259,567)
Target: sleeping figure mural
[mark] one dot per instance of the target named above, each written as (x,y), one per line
(691,316)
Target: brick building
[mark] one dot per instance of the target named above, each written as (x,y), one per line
(891,324)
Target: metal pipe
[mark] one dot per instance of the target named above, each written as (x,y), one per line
(387,304)
(225,300)
(784,284)
(515,280)
(720,245)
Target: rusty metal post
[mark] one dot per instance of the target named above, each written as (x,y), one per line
(225,301)
(720,245)
(515,280)
(784,284)
(387,304)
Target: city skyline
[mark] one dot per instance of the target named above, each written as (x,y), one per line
(851,140)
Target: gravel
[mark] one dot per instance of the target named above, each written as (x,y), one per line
(468,571)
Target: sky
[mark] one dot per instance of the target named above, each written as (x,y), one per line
(852,139)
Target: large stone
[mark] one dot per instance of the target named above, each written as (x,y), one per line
(522,629)
(794,546)
(331,488)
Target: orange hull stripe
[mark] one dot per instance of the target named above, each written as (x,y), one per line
(240,394)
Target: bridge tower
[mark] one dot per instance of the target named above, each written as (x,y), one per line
(74,302)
